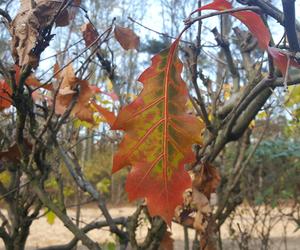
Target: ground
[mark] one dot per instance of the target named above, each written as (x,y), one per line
(43,234)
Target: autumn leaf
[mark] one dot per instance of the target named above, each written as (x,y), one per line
(281,59)
(252,20)
(69,87)
(89,34)
(12,154)
(127,38)
(85,106)
(159,134)
(5,95)
(33,17)
(257,27)
(31,80)
(207,180)
(108,115)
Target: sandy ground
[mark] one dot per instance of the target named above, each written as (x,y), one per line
(43,234)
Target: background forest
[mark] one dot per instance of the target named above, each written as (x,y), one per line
(56,166)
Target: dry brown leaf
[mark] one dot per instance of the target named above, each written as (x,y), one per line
(27,24)
(82,109)
(207,180)
(69,80)
(204,184)
(127,38)
(203,210)
(89,33)
(201,202)
(12,154)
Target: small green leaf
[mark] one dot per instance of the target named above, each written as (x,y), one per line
(103,185)
(50,217)
(111,246)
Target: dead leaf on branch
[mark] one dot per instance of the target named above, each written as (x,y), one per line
(127,38)
(70,86)
(89,33)
(204,184)
(85,106)
(196,209)
(207,180)
(12,154)
(203,210)
(26,27)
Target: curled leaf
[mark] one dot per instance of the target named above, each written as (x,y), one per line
(33,17)
(207,180)
(252,20)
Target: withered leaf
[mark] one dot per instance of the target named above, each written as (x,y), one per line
(207,180)
(12,154)
(127,38)
(82,109)
(25,29)
(203,210)
(89,33)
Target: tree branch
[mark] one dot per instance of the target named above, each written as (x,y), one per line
(290,25)
(5,15)
(86,186)
(86,240)
(86,229)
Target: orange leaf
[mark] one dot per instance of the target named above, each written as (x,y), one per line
(82,109)
(85,106)
(31,80)
(111,94)
(159,134)
(127,38)
(108,116)
(5,95)
(252,20)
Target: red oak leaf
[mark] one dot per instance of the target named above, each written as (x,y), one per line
(159,134)
(252,20)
